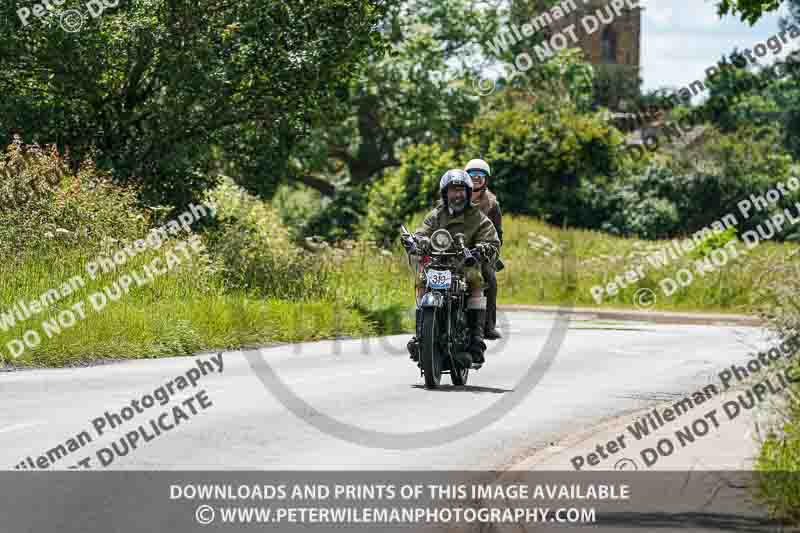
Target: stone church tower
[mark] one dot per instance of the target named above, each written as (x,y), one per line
(614,43)
(607,38)
(607,31)
(611,42)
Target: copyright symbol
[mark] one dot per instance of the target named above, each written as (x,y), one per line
(644,298)
(626,464)
(483,86)
(204,515)
(71,20)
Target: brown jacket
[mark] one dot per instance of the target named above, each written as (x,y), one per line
(491,208)
(475,226)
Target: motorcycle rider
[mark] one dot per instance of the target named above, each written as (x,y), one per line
(480,172)
(457,214)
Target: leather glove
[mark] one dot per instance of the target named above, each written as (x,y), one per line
(486,250)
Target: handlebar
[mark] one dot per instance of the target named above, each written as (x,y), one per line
(408,241)
(470,256)
(412,245)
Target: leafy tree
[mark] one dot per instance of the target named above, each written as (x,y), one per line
(748,10)
(541,163)
(691,192)
(408,189)
(169,93)
(739,98)
(540,160)
(616,85)
(418,89)
(564,81)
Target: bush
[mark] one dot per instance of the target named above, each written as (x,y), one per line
(296,206)
(540,164)
(46,206)
(408,189)
(780,451)
(339,218)
(695,189)
(540,161)
(616,85)
(779,461)
(713,241)
(256,251)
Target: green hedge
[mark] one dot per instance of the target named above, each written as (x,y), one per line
(539,162)
(408,189)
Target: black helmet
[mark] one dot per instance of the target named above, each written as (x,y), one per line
(455,176)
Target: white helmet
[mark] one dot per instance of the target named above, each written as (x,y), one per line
(479,166)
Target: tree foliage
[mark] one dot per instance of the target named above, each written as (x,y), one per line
(415,90)
(691,192)
(748,10)
(44,205)
(540,163)
(410,188)
(171,92)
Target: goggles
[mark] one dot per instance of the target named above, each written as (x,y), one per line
(478,174)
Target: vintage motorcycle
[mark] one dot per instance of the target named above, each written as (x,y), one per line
(442,333)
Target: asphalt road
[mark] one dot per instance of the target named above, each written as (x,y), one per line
(602,370)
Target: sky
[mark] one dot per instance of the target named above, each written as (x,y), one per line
(681,38)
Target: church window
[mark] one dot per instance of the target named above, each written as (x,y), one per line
(609,45)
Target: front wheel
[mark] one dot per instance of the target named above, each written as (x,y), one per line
(431,363)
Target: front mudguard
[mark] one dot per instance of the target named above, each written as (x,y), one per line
(431,299)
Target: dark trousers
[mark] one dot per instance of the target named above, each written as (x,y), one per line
(490,278)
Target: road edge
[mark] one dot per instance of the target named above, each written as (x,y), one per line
(658,317)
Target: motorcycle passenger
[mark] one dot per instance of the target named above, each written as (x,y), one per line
(479,171)
(457,214)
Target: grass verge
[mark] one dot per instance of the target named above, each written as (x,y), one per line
(367,291)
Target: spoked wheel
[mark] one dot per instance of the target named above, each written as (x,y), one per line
(431,364)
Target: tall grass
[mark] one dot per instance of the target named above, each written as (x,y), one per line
(535,254)
(540,258)
(254,285)
(779,457)
(251,287)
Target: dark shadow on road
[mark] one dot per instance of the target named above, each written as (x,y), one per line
(689,521)
(464,388)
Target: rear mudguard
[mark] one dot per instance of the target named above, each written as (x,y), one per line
(431,299)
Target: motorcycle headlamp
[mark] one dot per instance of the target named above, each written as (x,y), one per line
(441,240)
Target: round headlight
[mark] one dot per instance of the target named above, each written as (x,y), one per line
(441,240)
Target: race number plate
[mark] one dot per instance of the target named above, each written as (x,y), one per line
(439,279)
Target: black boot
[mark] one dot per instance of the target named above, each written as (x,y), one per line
(413,344)
(490,329)
(464,359)
(476,319)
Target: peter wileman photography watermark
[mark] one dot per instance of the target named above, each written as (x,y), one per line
(147,431)
(396,503)
(70,20)
(776,358)
(562,39)
(25,309)
(717,258)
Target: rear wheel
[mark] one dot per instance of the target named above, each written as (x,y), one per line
(431,364)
